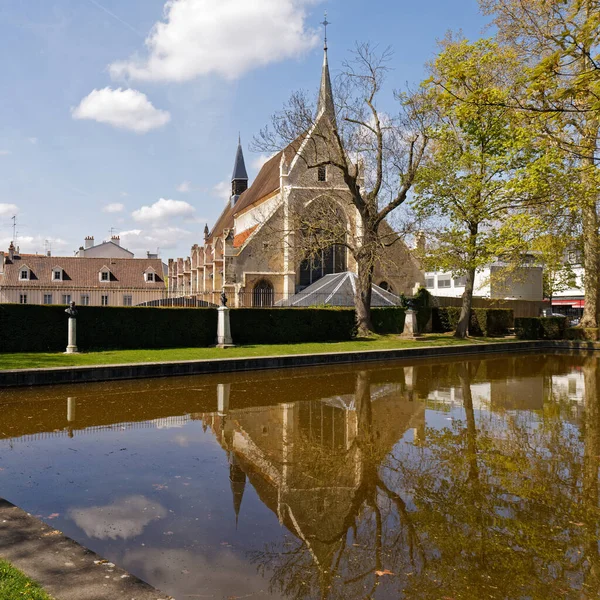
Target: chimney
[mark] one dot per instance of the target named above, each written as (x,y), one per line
(11,252)
(89,241)
(421,241)
(48,253)
(1,263)
(115,239)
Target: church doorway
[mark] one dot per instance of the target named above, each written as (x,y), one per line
(262,294)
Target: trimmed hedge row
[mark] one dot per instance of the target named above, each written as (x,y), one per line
(483,322)
(33,328)
(540,328)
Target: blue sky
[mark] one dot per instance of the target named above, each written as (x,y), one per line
(151,150)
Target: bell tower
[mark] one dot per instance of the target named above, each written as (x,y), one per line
(239,179)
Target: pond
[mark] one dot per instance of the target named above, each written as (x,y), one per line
(424,480)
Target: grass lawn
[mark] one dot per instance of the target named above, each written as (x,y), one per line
(15,586)
(382,342)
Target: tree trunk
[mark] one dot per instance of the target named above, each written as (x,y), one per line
(591,244)
(590,263)
(363,296)
(462,329)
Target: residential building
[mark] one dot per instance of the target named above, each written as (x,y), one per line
(46,279)
(107,249)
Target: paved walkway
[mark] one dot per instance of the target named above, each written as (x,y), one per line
(66,570)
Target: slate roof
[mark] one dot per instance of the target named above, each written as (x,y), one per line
(83,272)
(338,290)
(239,167)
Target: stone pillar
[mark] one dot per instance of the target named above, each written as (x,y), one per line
(72,345)
(411,329)
(224,328)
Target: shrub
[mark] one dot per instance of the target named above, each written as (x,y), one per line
(490,321)
(589,334)
(423,307)
(483,321)
(291,325)
(540,328)
(388,320)
(32,328)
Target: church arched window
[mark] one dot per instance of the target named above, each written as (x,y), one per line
(262,294)
(384,285)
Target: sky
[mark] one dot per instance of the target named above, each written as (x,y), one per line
(123,116)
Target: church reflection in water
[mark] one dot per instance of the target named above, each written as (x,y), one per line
(465,479)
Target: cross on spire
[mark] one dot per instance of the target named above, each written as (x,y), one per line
(325,23)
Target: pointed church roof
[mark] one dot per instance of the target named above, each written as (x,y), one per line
(239,167)
(326,92)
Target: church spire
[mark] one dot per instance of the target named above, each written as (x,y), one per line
(326,93)
(239,179)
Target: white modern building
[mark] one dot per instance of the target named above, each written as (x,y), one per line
(523,283)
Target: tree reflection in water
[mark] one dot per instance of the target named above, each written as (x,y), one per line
(498,504)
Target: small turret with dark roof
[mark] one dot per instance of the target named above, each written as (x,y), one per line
(239,179)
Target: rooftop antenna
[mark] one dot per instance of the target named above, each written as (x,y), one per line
(14,228)
(325,23)
(113,230)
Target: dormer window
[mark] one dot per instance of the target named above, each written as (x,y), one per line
(104,275)
(57,275)
(24,274)
(150,275)
(322,174)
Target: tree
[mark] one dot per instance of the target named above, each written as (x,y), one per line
(484,167)
(559,43)
(377,157)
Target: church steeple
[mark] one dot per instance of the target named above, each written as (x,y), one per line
(325,92)
(239,179)
(237,478)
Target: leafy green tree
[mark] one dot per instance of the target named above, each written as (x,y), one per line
(559,43)
(485,166)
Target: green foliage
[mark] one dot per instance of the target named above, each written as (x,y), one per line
(540,328)
(15,586)
(291,326)
(483,321)
(423,306)
(33,328)
(388,320)
(588,334)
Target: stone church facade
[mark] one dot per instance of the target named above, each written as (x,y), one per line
(249,252)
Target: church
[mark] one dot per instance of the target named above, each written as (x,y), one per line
(251,253)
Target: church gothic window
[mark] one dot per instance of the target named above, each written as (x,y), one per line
(322,174)
(262,294)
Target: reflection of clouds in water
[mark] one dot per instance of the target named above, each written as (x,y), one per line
(182,573)
(124,518)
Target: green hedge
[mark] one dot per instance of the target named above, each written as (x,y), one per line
(483,322)
(540,328)
(388,320)
(33,328)
(291,325)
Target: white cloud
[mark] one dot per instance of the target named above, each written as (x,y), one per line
(163,209)
(5,152)
(125,518)
(30,244)
(184,187)
(32,140)
(141,240)
(114,207)
(124,195)
(222,190)
(259,161)
(8,210)
(124,109)
(223,37)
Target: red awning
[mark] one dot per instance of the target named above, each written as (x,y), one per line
(572,303)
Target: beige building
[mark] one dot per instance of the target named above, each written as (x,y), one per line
(46,279)
(250,252)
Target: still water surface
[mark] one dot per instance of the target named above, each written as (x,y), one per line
(433,480)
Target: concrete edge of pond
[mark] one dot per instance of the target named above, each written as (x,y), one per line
(100,373)
(65,569)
